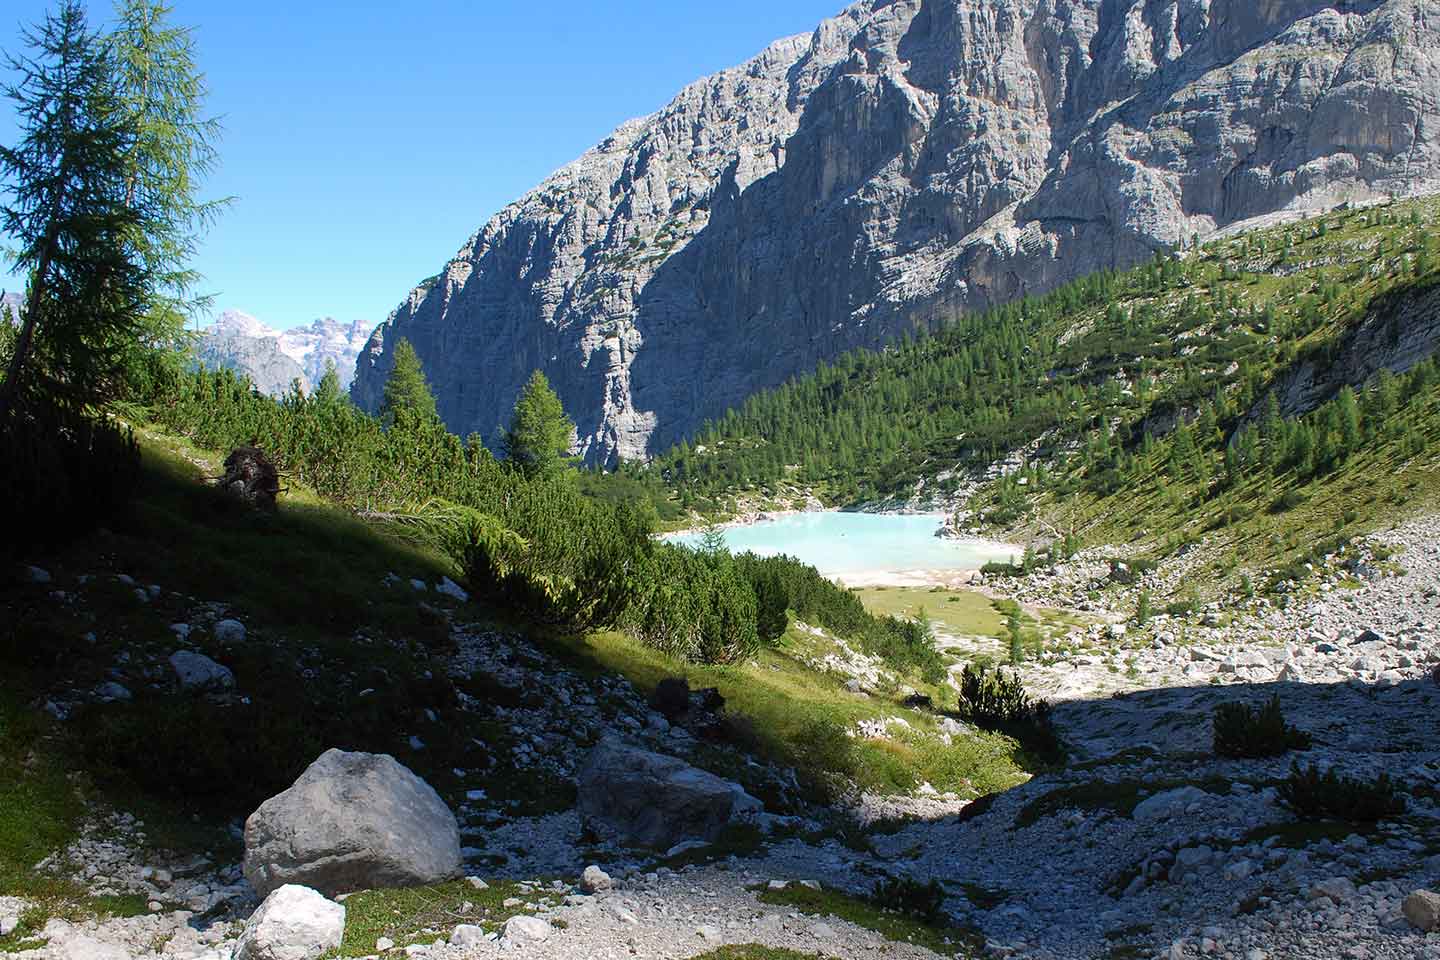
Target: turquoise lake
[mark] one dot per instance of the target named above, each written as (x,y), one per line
(841,544)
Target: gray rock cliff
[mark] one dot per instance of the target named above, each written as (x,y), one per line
(909,161)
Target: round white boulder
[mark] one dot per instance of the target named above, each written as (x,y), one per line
(294,923)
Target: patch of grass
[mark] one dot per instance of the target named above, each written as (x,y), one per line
(39,809)
(956,612)
(893,926)
(424,914)
(800,718)
(1297,835)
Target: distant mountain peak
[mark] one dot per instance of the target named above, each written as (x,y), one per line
(273,358)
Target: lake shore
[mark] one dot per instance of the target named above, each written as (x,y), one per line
(846,546)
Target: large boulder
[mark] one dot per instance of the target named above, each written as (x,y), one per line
(651,800)
(294,923)
(353,821)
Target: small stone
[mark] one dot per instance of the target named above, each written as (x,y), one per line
(37,575)
(477,883)
(1240,870)
(383,944)
(593,880)
(527,929)
(229,631)
(467,935)
(1336,889)
(294,923)
(154,906)
(709,933)
(112,691)
(198,672)
(822,931)
(452,590)
(778,884)
(1422,909)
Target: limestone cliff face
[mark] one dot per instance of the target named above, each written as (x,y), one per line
(909,161)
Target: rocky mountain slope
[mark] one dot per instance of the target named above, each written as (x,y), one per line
(908,162)
(275,358)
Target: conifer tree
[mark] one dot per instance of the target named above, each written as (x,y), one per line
(407,393)
(74,233)
(540,434)
(162,94)
(327,391)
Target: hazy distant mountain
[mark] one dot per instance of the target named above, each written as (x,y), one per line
(273,359)
(11,299)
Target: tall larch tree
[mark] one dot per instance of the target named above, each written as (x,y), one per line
(162,93)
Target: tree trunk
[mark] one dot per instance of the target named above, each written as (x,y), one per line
(10,389)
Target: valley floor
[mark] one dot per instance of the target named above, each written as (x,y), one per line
(1145,845)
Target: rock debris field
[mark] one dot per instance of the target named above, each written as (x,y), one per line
(1145,845)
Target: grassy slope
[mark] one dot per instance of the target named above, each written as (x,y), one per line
(1248,531)
(1319,277)
(309,585)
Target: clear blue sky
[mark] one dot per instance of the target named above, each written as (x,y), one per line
(366,141)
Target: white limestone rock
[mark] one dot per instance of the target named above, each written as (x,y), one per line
(294,923)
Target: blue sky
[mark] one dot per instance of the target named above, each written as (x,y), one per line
(366,141)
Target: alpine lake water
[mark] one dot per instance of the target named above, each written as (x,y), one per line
(861,546)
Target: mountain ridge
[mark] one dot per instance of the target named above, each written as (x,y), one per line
(273,359)
(905,164)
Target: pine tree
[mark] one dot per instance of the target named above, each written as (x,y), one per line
(407,393)
(1349,416)
(327,392)
(712,539)
(540,434)
(73,232)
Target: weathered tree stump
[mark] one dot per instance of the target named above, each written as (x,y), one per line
(251,478)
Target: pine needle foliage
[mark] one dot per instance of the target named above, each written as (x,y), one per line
(1317,795)
(540,434)
(1244,732)
(75,233)
(407,393)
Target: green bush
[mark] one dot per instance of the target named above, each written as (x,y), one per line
(1324,796)
(1243,732)
(990,699)
(998,701)
(695,606)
